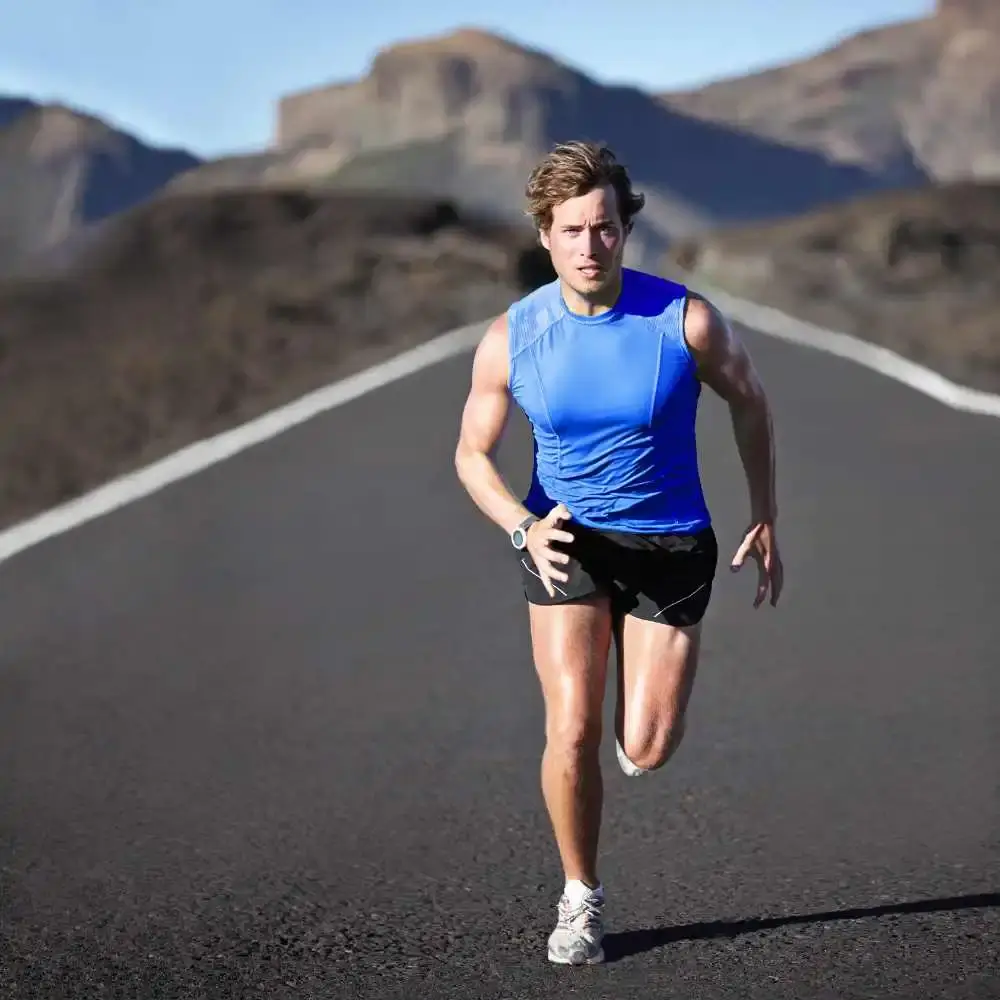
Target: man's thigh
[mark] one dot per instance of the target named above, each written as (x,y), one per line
(665,590)
(571,633)
(571,641)
(656,666)
(667,579)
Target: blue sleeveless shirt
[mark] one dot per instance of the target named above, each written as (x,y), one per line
(612,401)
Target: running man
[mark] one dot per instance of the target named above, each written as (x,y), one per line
(614,541)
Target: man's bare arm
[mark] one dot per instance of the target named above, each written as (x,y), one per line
(726,367)
(484,418)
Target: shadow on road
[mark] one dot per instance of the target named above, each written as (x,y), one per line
(626,943)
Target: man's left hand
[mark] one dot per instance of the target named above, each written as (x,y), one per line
(761,544)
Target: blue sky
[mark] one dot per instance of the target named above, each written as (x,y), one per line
(205,74)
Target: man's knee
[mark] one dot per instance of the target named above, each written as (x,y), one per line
(651,748)
(574,734)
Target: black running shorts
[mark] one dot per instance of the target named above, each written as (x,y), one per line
(663,578)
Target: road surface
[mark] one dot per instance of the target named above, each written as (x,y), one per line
(275,731)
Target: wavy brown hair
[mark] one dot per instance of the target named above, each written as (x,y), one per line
(572,169)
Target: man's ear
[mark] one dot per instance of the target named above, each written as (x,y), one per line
(543,238)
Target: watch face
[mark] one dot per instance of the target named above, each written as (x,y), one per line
(518,538)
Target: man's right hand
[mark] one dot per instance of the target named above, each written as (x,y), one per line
(540,537)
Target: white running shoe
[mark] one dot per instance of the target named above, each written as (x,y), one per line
(632,770)
(579,934)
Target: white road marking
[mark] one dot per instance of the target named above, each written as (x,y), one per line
(777,324)
(201,454)
(210,451)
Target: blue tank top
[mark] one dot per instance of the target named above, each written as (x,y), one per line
(612,401)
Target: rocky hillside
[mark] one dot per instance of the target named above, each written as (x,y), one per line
(194,313)
(62,171)
(917,97)
(913,271)
(467,114)
(13,107)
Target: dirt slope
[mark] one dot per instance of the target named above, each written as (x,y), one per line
(196,312)
(915,272)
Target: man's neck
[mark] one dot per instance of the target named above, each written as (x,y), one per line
(595,305)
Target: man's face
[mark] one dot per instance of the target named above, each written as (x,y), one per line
(587,241)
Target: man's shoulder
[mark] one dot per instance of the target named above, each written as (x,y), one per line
(654,295)
(532,313)
(539,298)
(530,304)
(654,283)
(706,328)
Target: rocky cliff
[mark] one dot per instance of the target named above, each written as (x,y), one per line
(62,172)
(466,115)
(922,95)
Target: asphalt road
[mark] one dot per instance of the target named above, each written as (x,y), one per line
(275,731)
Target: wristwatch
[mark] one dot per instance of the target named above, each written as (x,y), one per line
(519,536)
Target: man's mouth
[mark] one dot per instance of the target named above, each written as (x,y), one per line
(590,271)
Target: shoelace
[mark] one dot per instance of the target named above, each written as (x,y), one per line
(584,917)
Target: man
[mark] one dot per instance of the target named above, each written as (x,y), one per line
(613,540)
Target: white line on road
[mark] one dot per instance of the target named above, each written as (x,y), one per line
(777,324)
(200,455)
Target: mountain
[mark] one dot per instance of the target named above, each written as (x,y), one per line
(62,171)
(914,271)
(14,107)
(921,96)
(466,115)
